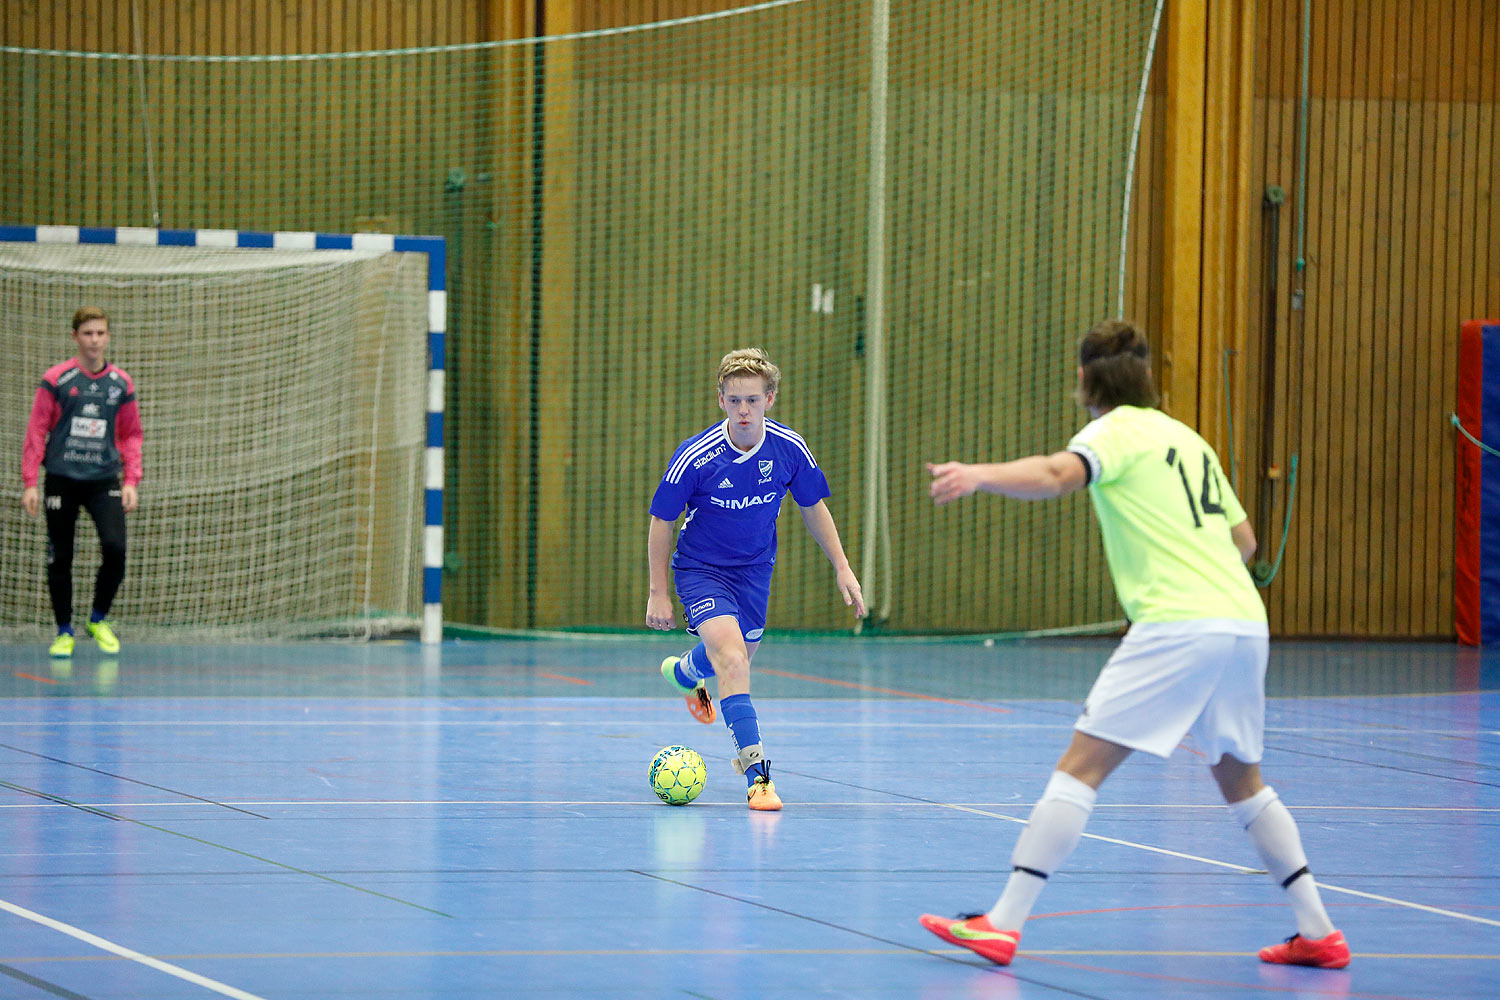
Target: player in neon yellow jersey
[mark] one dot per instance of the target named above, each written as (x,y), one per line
(1194,659)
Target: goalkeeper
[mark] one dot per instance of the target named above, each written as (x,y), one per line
(85,430)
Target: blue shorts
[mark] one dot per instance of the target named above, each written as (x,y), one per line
(714,591)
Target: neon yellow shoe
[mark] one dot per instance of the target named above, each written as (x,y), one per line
(62,645)
(698,702)
(104,636)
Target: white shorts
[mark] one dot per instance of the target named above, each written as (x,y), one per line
(1168,679)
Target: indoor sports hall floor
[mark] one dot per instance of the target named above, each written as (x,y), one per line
(382,821)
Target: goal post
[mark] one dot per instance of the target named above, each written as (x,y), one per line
(291,388)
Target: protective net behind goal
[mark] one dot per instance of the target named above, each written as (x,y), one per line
(282,397)
(915,207)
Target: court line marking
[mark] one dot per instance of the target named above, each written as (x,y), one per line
(1404,752)
(700,804)
(1248,871)
(130,953)
(1336,990)
(56,800)
(34,677)
(121,777)
(225,847)
(616,722)
(948,954)
(1376,765)
(869,687)
(678,952)
(957,959)
(40,984)
(563,677)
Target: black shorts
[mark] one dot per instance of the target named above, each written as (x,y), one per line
(61,499)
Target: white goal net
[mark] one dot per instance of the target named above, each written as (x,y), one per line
(282,395)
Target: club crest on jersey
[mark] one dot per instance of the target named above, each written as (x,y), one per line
(765,470)
(114,393)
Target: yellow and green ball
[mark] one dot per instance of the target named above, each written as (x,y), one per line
(677,775)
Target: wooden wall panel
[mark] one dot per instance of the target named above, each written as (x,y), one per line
(1401,166)
(1400,237)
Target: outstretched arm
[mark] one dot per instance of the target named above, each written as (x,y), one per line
(820,525)
(1039,477)
(659,552)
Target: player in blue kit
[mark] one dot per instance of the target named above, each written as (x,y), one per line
(730,478)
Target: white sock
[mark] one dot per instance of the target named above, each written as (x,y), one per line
(1055,826)
(1274,835)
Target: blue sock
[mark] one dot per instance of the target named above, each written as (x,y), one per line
(95,617)
(65,630)
(694,666)
(739,716)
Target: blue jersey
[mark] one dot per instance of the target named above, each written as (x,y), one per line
(732,497)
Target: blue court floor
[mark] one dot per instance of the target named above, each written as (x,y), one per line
(386,821)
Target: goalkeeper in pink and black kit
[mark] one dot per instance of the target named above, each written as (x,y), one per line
(85,430)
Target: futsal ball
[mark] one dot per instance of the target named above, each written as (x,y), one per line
(677,775)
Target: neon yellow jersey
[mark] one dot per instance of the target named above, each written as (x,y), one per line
(1165,509)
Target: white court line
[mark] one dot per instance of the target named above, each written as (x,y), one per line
(123,952)
(652,803)
(728,952)
(615,723)
(1249,871)
(1402,902)
(232,992)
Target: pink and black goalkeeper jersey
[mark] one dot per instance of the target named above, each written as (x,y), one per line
(83,426)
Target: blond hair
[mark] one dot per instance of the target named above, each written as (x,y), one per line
(749,362)
(87,313)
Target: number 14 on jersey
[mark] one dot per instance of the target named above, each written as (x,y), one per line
(1205,500)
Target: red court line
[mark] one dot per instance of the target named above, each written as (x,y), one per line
(34,677)
(563,677)
(868,687)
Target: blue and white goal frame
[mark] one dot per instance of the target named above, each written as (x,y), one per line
(435,247)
